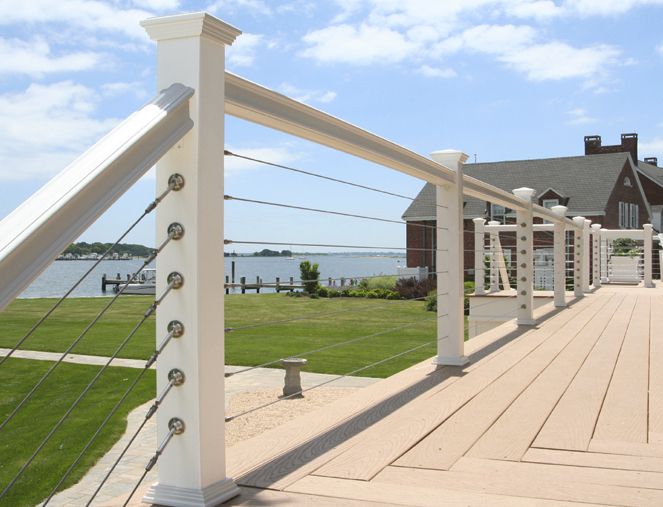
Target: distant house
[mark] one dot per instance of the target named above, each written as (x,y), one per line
(605,185)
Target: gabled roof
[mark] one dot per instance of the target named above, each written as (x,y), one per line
(586,180)
(652,172)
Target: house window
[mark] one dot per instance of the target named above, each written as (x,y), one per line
(627,182)
(549,203)
(623,215)
(633,219)
(498,213)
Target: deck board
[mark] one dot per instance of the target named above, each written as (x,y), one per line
(656,372)
(623,417)
(511,435)
(594,460)
(572,422)
(388,440)
(455,436)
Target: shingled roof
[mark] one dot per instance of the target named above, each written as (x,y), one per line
(587,181)
(653,172)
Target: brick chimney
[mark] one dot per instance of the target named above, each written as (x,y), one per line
(629,144)
(652,161)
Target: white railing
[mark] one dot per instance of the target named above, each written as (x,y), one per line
(191,53)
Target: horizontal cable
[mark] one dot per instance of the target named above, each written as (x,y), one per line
(329,212)
(83,334)
(108,251)
(307,173)
(353,372)
(151,309)
(334,345)
(322,245)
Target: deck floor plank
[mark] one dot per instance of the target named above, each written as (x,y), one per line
(623,416)
(572,421)
(594,460)
(386,441)
(456,435)
(656,372)
(512,434)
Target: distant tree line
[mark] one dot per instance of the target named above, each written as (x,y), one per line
(83,248)
(266,252)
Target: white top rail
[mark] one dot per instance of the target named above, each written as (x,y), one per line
(624,233)
(252,102)
(38,230)
(513,227)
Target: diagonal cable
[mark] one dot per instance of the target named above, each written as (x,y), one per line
(147,211)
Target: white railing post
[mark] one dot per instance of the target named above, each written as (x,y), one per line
(524,254)
(559,250)
(648,230)
(494,267)
(604,257)
(586,254)
(578,264)
(479,254)
(192,470)
(596,255)
(450,308)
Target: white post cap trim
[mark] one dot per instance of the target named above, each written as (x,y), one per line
(196,24)
(449,158)
(479,221)
(525,193)
(559,210)
(596,227)
(579,221)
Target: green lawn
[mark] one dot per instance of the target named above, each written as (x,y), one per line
(24,433)
(327,321)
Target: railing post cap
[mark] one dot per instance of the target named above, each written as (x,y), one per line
(587,222)
(494,222)
(647,226)
(449,158)
(479,220)
(195,24)
(524,193)
(579,221)
(559,210)
(596,227)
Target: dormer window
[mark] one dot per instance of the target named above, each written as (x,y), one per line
(627,182)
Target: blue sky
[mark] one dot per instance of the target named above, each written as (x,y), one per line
(499,79)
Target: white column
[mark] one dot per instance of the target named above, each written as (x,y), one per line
(479,245)
(450,310)
(578,255)
(192,469)
(604,257)
(648,230)
(559,282)
(660,257)
(524,254)
(596,255)
(586,253)
(494,267)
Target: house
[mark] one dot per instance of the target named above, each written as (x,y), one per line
(605,185)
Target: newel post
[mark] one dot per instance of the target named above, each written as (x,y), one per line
(192,469)
(479,254)
(450,308)
(596,255)
(494,264)
(648,231)
(586,254)
(525,256)
(578,264)
(559,248)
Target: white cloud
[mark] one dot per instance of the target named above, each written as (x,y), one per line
(34,58)
(491,39)
(605,7)
(348,9)
(654,147)
(579,116)
(556,60)
(282,155)
(157,4)
(538,9)
(365,44)
(243,51)
(428,71)
(45,127)
(87,15)
(308,96)
(225,6)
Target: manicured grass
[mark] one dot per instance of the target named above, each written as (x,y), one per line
(23,434)
(326,321)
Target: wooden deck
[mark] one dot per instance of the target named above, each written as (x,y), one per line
(567,412)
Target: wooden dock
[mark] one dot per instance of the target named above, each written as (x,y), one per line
(567,412)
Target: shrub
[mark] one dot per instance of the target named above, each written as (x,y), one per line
(410,288)
(625,247)
(431,302)
(310,276)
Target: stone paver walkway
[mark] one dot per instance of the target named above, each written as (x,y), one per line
(132,465)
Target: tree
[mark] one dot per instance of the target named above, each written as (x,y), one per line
(310,276)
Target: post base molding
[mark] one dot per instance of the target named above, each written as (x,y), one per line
(523,322)
(451,361)
(173,496)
